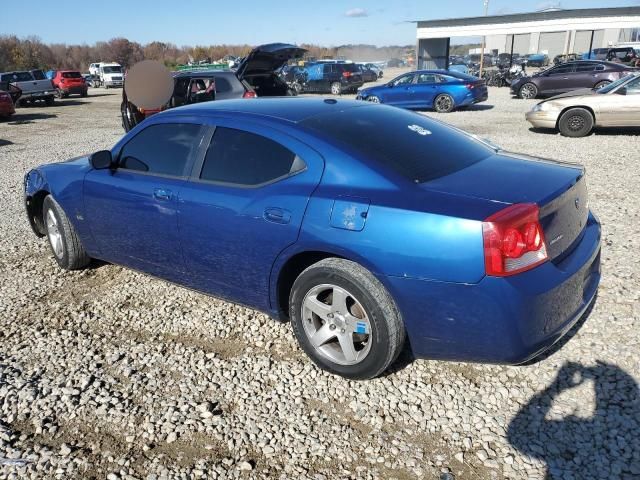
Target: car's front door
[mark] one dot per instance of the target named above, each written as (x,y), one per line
(400,90)
(621,110)
(243,206)
(132,209)
(558,79)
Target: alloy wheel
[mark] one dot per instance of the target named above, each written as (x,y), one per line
(443,103)
(336,324)
(528,91)
(55,237)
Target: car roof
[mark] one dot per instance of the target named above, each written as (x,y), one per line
(202,72)
(290,109)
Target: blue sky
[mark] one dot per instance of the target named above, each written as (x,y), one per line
(188,22)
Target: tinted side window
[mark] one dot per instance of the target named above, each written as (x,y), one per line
(163,149)
(426,78)
(223,85)
(586,67)
(243,158)
(561,69)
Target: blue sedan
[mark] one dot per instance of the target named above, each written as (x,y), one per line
(362,224)
(440,90)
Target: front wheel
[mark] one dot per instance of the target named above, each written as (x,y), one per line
(63,239)
(373,99)
(443,103)
(336,88)
(528,91)
(576,122)
(345,320)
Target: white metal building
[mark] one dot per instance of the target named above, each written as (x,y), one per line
(550,32)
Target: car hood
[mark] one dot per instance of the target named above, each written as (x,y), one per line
(581,92)
(268,58)
(375,89)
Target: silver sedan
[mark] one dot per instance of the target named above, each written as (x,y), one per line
(576,113)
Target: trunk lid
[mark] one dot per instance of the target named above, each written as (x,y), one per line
(268,58)
(558,189)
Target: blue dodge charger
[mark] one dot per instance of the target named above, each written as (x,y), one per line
(362,224)
(440,90)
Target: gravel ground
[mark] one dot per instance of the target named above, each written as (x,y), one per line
(108,373)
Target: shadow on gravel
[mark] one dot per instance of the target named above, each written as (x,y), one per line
(602,446)
(600,131)
(5,142)
(22,118)
(68,102)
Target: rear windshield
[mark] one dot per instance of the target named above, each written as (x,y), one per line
(463,76)
(348,67)
(408,143)
(71,75)
(17,77)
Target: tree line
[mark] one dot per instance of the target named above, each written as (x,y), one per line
(30,53)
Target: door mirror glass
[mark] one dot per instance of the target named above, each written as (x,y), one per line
(101,160)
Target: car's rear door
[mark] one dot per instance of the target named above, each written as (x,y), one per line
(243,206)
(588,74)
(424,90)
(132,210)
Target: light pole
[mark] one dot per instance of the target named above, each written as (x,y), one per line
(484,38)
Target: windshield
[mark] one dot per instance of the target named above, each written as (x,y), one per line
(412,145)
(116,69)
(612,86)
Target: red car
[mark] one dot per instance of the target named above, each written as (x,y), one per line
(6,105)
(69,82)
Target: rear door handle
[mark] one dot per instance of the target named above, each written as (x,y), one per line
(161,194)
(277,215)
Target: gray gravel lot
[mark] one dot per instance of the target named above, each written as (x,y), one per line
(108,373)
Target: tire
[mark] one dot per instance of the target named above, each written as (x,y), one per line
(528,91)
(59,94)
(368,320)
(601,84)
(443,103)
(84,93)
(373,99)
(576,122)
(336,88)
(63,239)
(125,113)
(49,101)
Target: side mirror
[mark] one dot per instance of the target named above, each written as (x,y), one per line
(101,160)
(622,91)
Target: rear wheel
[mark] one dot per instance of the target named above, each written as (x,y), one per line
(345,320)
(576,122)
(59,93)
(528,91)
(601,84)
(63,239)
(443,103)
(336,88)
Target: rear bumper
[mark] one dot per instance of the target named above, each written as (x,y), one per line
(501,320)
(37,95)
(79,89)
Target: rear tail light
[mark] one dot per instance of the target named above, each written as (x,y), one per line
(5,97)
(249,94)
(470,86)
(346,74)
(513,240)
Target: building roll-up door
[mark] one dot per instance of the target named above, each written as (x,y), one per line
(552,43)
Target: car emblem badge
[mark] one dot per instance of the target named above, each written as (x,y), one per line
(419,130)
(577,202)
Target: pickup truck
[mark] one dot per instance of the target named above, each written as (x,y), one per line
(32,89)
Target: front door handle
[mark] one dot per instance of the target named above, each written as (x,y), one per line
(277,215)
(161,194)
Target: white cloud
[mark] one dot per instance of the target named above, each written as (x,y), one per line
(356,12)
